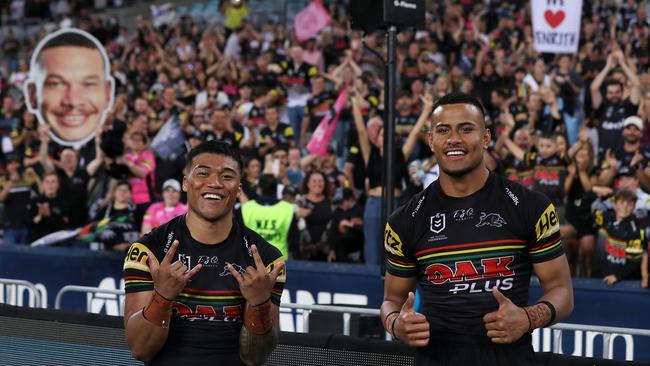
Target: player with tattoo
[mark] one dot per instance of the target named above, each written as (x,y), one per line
(470,242)
(204,289)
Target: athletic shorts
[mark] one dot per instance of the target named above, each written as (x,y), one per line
(454,350)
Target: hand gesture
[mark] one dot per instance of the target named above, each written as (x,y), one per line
(611,159)
(508,323)
(636,159)
(572,169)
(43,132)
(169,278)
(427,102)
(410,327)
(610,280)
(256,283)
(611,61)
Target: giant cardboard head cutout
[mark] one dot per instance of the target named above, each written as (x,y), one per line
(69,86)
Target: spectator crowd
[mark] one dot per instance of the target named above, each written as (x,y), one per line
(575,127)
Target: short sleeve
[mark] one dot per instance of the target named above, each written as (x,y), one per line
(530,159)
(137,276)
(399,258)
(546,244)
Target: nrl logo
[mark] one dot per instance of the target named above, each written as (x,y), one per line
(438,223)
(491,219)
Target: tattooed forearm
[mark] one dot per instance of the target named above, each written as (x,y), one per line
(539,315)
(255,348)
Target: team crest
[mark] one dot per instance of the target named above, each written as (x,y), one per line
(438,223)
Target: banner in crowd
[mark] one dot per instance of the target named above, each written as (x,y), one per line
(70,87)
(556,25)
(168,139)
(322,136)
(310,20)
(164,14)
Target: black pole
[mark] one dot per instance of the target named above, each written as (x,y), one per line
(389,127)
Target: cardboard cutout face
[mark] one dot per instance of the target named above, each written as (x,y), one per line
(69,86)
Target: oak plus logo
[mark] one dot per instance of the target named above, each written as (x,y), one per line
(465,276)
(437,223)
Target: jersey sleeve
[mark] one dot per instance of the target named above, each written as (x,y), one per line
(530,159)
(400,260)
(271,256)
(137,276)
(545,244)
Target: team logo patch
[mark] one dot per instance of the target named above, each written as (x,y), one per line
(136,257)
(491,219)
(392,242)
(438,223)
(236,266)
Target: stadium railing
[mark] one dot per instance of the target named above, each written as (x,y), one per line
(347,312)
(46,336)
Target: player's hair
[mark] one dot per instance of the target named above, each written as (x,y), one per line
(214,147)
(625,195)
(268,185)
(459,98)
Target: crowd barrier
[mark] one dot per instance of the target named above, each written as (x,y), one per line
(32,336)
(50,270)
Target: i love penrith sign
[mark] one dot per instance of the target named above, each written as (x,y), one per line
(556,25)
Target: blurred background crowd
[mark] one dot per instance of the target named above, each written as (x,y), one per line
(575,127)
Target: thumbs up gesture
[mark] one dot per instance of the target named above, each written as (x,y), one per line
(508,323)
(411,327)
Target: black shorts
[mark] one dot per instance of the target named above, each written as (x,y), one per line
(455,349)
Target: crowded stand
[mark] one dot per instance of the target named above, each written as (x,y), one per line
(575,127)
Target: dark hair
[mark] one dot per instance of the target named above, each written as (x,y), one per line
(625,195)
(304,188)
(459,98)
(214,147)
(69,39)
(123,183)
(268,185)
(613,82)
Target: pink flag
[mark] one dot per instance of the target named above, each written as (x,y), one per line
(310,21)
(320,140)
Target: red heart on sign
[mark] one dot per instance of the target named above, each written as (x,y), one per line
(554,19)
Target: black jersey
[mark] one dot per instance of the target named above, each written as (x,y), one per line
(621,244)
(549,174)
(207,315)
(459,248)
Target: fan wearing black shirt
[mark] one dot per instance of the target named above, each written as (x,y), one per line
(615,108)
(470,242)
(274,133)
(203,288)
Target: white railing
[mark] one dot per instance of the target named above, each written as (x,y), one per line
(85,289)
(347,311)
(26,284)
